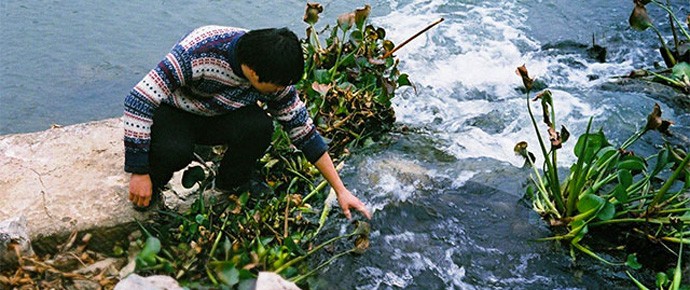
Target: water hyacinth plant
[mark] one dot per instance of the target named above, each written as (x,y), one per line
(348,83)
(608,186)
(677,59)
(347,87)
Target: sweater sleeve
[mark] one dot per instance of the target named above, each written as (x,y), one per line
(292,114)
(140,104)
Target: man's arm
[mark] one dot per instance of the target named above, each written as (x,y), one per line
(292,114)
(140,104)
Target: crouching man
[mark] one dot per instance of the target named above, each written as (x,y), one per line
(205,91)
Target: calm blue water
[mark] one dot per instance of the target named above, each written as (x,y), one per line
(447,196)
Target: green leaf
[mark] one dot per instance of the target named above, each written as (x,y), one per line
(661,161)
(604,154)
(625,178)
(322,76)
(594,143)
(199,218)
(244,198)
(661,279)
(227,273)
(193,175)
(589,201)
(632,163)
(530,191)
(272,162)
(620,194)
(681,70)
(384,99)
(150,250)
(607,212)
(246,274)
(404,80)
(356,36)
(632,262)
(290,244)
(565,134)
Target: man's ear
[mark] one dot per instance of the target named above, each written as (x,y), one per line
(248,72)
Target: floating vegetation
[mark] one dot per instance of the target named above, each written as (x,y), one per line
(608,187)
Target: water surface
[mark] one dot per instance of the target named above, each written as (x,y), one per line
(447,195)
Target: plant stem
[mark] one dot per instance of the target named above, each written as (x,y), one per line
(210,276)
(299,278)
(556,195)
(638,220)
(334,69)
(666,50)
(669,182)
(575,189)
(316,38)
(675,285)
(636,136)
(675,210)
(316,190)
(676,240)
(637,283)
(300,258)
(669,80)
(542,190)
(554,161)
(220,234)
(673,29)
(680,25)
(592,254)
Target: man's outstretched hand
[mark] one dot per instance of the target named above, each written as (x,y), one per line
(347,201)
(140,189)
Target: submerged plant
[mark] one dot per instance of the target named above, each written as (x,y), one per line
(608,185)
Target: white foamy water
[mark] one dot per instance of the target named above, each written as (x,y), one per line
(464,70)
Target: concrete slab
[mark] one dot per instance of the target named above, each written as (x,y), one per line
(66,179)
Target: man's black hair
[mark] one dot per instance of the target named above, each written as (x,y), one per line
(275,54)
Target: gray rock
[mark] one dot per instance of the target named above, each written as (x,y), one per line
(14,231)
(66,179)
(157,282)
(273,281)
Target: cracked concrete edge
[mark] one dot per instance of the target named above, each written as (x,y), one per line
(66,179)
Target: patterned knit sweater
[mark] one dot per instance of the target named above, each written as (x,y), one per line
(201,75)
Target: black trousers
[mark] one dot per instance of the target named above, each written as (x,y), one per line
(247,132)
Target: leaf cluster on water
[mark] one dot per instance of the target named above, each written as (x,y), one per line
(609,186)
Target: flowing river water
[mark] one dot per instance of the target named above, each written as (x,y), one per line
(447,194)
